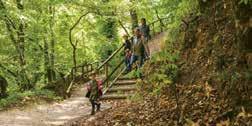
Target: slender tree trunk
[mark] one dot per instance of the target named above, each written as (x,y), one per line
(74,44)
(26,84)
(134,18)
(52,43)
(124,28)
(160,20)
(8,70)
(74,56)
(48,77)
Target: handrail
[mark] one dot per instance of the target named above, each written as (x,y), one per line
(111,84)
(105,66)
(110,57)
(114,70)
(82,66)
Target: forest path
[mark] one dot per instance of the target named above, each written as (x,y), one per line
(51,114)
(64,112)
(118,96)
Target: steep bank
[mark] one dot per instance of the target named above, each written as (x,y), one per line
(202,78)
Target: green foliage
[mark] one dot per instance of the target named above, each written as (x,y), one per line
(246,2)
(134,74)
(46,36)
(17,98)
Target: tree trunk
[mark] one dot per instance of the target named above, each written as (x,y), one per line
(124,28)
(52,43)
(134,18)
(74,57)
(160,20)
(74,45)
(17,36)
(3,87)
(48,76)
(26,84)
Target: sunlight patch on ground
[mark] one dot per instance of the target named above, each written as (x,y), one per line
(23,118)
(67,117)
(55,122)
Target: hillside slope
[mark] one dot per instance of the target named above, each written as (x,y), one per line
(210,82)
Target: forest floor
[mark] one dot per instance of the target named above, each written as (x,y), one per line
(54,114)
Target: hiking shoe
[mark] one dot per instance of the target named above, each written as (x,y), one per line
(98,107)
(92,113)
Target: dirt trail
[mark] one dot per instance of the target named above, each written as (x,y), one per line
(155,45)
(51,114)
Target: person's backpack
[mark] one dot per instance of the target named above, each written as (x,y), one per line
(99,82)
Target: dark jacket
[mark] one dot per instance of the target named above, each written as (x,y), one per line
(145,30)
(127,45)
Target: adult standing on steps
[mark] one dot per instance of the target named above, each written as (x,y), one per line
(137,48)
(145,30)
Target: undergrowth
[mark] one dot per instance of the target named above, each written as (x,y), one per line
(19,99)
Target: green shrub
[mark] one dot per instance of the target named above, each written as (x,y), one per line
(18,98)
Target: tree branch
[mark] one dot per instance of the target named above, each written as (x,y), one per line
(8,70)
(75,24)
(124,28)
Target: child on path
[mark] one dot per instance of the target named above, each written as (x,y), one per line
(94,93)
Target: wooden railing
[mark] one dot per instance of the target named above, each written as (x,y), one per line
(112,74)
(81,71)
(84,69)
(109,71)
(63,85)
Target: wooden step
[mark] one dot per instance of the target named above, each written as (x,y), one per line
(126,78)
(115,96)
(123,88)
(125,82)
(121,93)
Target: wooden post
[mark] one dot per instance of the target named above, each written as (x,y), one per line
(86,68)
(153,29)
(106,72)
(97,65)
(161,25)
(72,74)
(82,71)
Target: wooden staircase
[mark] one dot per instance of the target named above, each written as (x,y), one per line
(123,88)
(114,86)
